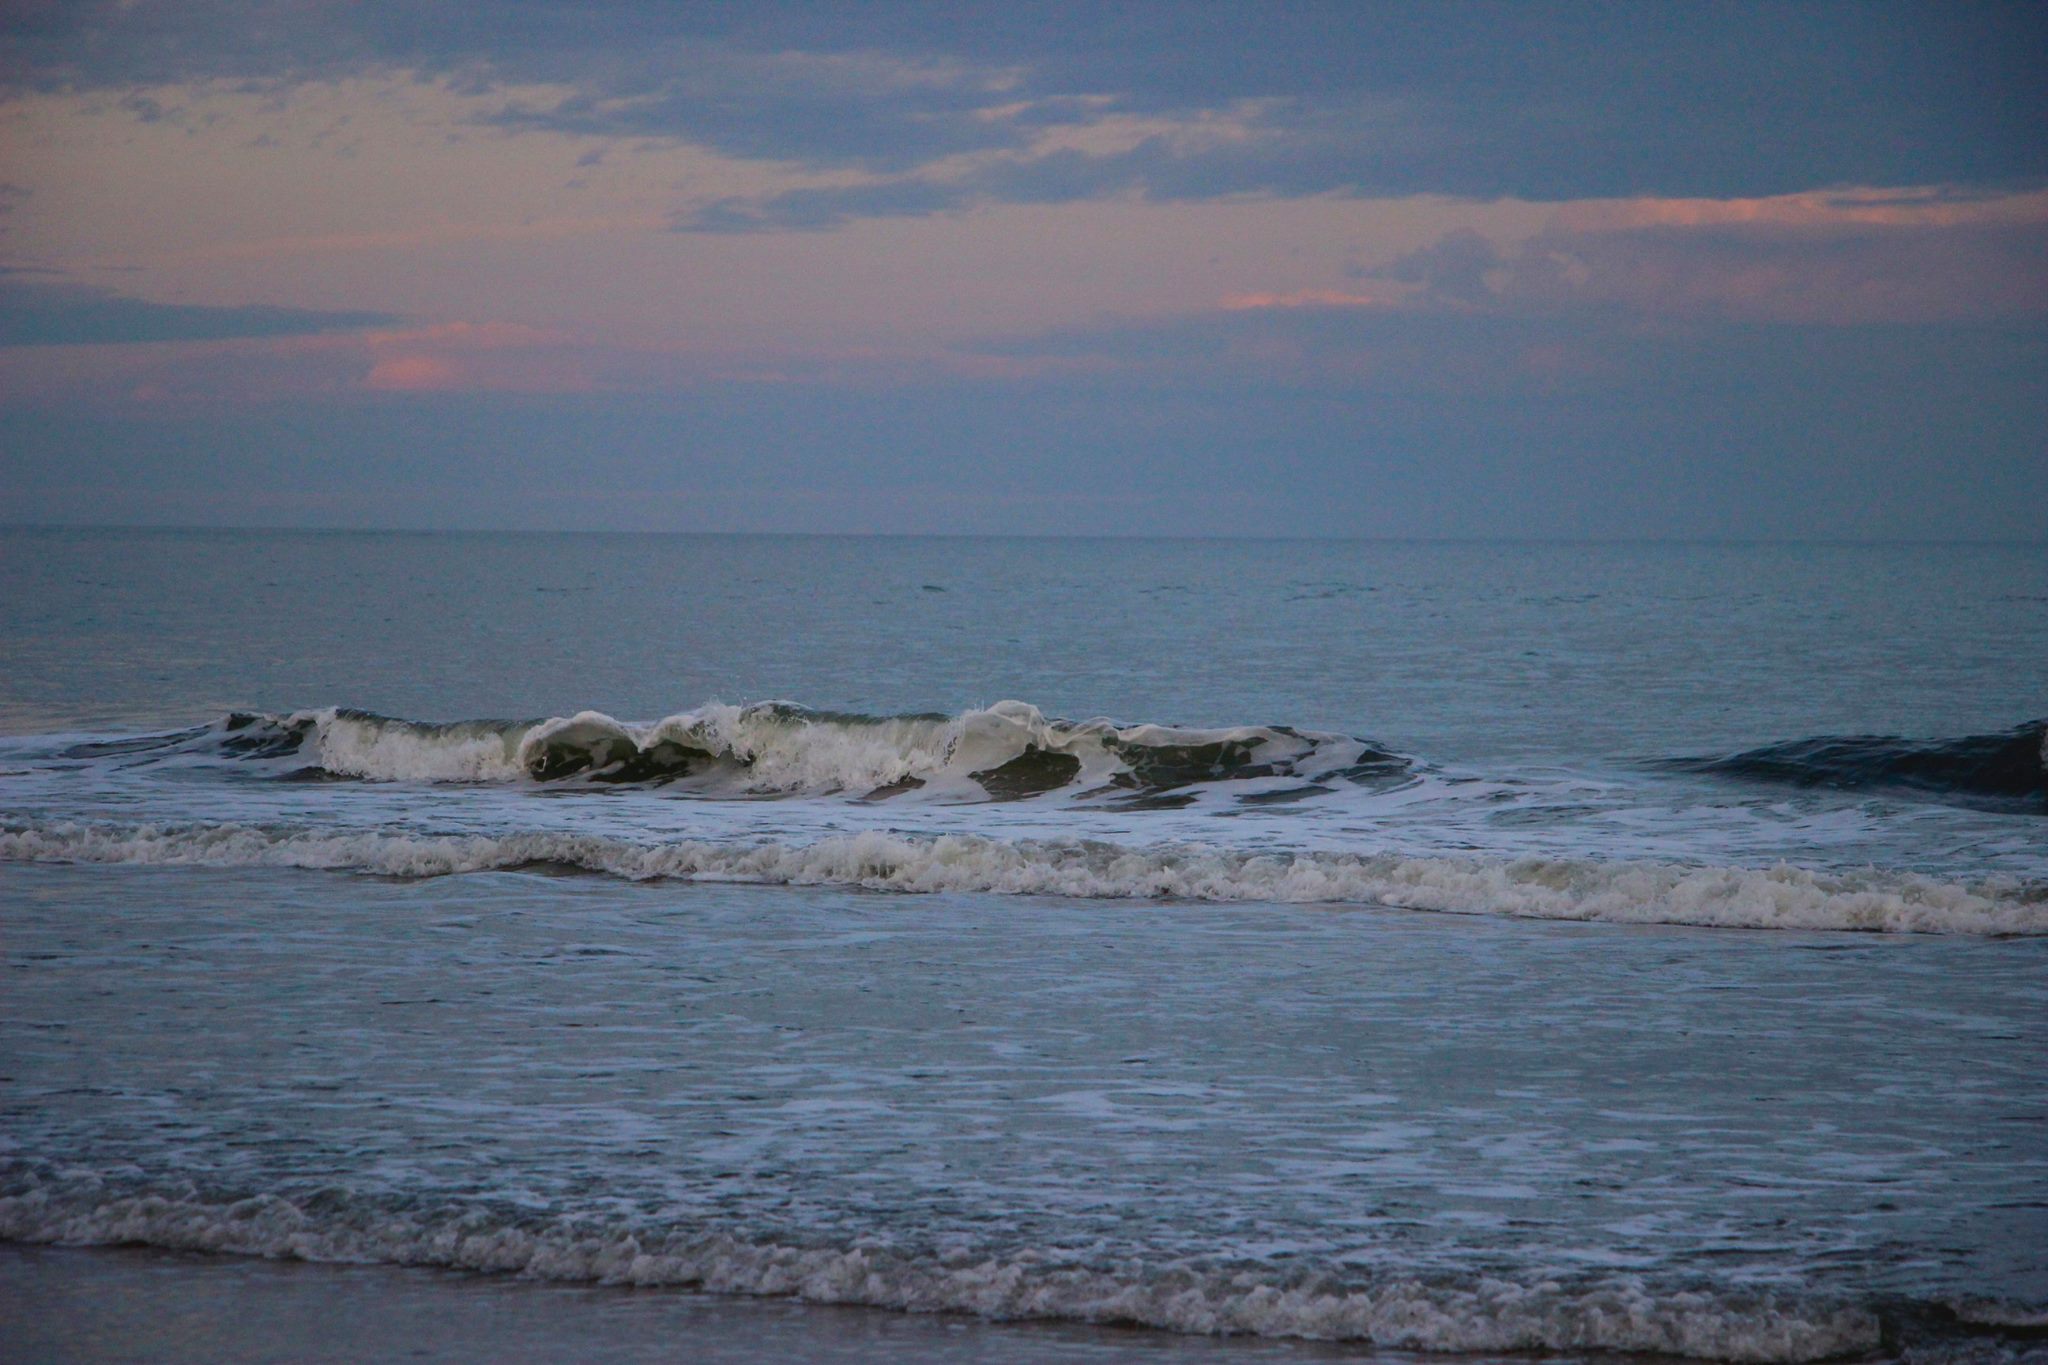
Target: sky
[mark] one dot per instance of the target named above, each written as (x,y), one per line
(1717,270)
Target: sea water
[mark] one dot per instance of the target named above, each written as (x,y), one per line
(1454,947)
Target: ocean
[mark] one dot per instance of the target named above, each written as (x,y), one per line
(1090,948)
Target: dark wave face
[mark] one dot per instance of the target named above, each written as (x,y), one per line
(2010,766)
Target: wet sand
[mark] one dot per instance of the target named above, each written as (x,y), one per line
(63,1304)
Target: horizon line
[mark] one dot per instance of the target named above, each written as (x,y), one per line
(186,528)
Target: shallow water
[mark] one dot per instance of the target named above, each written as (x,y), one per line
(1542,1135)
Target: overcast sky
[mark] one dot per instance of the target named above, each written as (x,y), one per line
(1438,269)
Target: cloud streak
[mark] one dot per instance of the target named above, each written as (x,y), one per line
(1834,260)
(45,312)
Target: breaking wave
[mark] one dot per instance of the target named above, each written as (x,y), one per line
(1470,1314)
(1007,751)
(2012,764)
(1623,892)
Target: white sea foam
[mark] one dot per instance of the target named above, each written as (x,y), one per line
(781,747)
(1467,1315)
(2001,1313)
(358,745)
(1779,897)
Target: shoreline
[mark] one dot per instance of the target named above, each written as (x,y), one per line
(172,1307)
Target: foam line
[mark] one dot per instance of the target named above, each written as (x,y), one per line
(1473,1314)
(1623,892)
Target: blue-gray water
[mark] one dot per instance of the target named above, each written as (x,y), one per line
(1436,946)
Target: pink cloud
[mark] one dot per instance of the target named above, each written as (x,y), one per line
(504,356)
(436,235)
(1814,211)
(1305,298)
(414,374)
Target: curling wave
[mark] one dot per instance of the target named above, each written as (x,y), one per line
(2009,765)
(1473,1314)
(1623,892)
(1007,751)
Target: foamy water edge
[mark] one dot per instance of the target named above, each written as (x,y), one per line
(1482,1314)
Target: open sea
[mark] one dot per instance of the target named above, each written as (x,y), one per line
(1092,949)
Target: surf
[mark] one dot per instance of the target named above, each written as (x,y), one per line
(1004,752)
(1560,888)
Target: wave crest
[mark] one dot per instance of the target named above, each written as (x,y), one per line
(1781,897)
(1006,751)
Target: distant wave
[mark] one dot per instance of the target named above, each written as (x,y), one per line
(2012,764)
(1004,752)
(1440,1314)
(1620,892)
